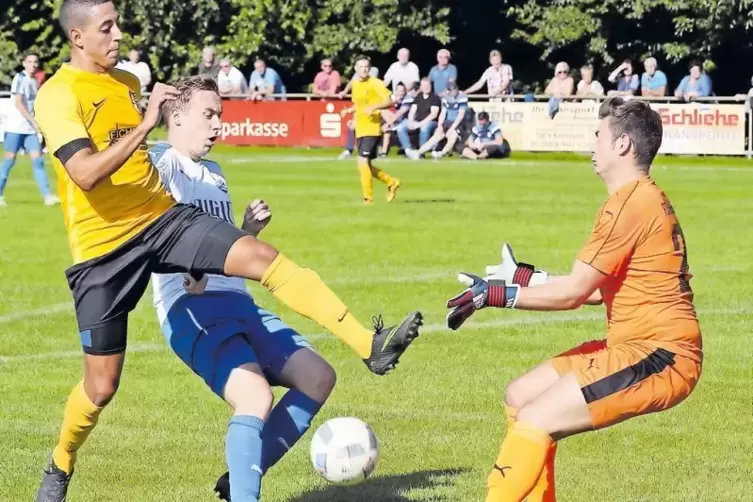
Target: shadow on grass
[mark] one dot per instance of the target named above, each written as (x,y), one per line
(385,489)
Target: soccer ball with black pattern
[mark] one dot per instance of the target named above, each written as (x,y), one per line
(344,451)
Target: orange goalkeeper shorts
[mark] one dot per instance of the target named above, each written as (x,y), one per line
(628,379)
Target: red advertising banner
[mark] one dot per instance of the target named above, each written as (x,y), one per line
(284,123)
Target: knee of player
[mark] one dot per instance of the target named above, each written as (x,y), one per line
(515,395)
(322,383)
(102,389)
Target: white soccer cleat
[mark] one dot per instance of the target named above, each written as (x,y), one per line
(51,200)
(436,155)
(412,154)
(2,202)
(344,155)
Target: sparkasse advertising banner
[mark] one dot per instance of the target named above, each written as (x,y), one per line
(284,123)
(689,128)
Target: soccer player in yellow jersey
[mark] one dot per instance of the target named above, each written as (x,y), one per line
(123,226)
(370,95)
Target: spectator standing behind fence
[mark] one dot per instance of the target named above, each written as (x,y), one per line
(264,82)
(208,65)
(422,116)
(327,81)
(695,85)
(653,80)
(136,67)
(498,78)
(230,80)
(588,87)
(562,85)
(401,71)
(441,74)
(627,82)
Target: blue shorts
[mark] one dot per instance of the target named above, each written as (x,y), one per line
(13,142)
(218,331)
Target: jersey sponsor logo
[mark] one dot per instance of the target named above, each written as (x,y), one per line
(222,209)
(255,129)
(119,132)
(330,123)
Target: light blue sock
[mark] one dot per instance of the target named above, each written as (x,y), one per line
(40,175)
(5,168)
(243,451)
(287,422)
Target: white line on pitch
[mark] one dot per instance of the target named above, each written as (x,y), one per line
(429,328)
(55,308)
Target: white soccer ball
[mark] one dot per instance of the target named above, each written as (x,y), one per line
(344,451)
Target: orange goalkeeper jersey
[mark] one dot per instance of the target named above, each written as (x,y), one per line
(638,243)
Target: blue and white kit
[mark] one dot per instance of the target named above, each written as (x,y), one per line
(221,329)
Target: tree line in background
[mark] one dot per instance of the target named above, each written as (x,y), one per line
(292,35)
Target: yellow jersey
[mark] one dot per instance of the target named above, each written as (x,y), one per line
(100,108)
(369,92)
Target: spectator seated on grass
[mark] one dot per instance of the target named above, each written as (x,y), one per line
(485,141)
(454,124)
(422,117)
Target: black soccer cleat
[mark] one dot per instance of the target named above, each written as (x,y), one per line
(54,487)
(390,343)
(222,488)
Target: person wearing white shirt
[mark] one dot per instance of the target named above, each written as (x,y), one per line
(230,80)
(588,87)
(213,324)
(403,71)
(22,131)
(135,66)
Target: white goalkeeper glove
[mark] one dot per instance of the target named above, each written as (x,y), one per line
(513,272)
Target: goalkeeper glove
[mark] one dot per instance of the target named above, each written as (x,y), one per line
(480,294)
(256,217)
(513,272)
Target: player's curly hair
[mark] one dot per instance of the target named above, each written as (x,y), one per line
(636,119)
(187,87)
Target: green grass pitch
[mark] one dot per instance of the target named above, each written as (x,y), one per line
(438,415)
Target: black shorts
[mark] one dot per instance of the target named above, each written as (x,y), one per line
(105,289)
(496,151)
(367,146)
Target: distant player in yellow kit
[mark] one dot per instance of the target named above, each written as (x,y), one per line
(370,95)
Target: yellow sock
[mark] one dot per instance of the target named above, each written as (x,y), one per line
(302,290)
(382,176)
(519,463)
(544,489)
(366,182)
(78,421)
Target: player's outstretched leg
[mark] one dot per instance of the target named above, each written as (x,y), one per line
(302,290)
(85,404)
